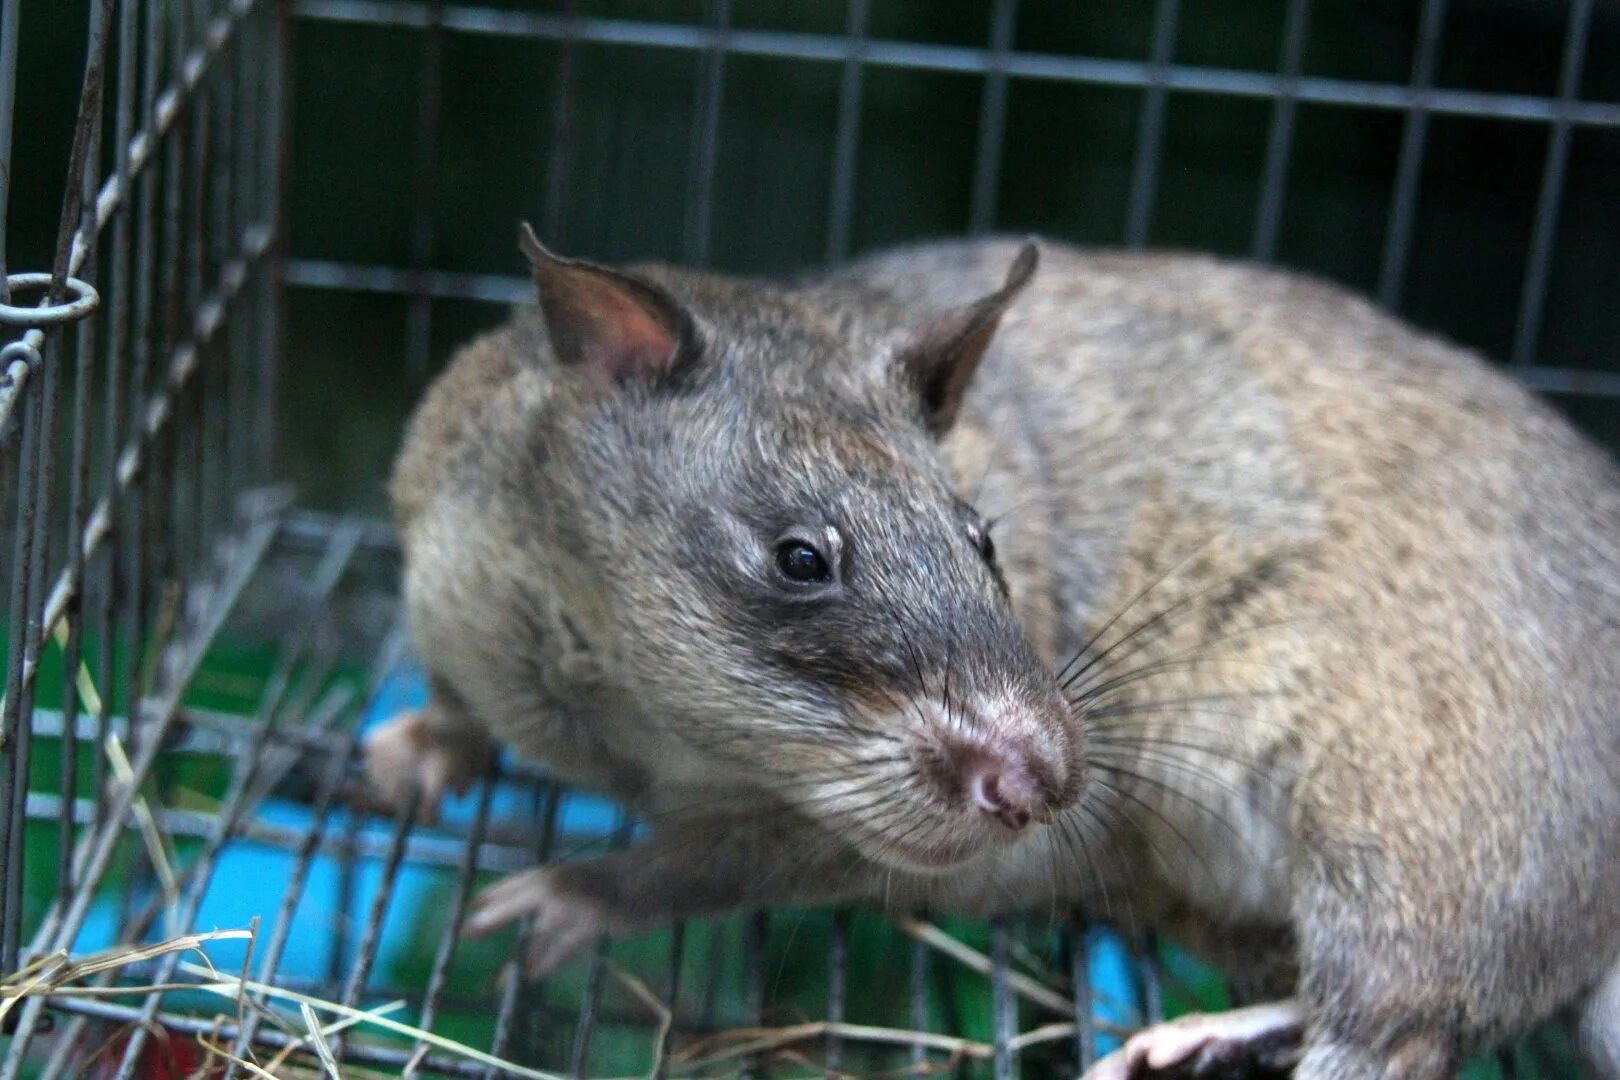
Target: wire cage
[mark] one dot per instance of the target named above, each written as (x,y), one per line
(191,880)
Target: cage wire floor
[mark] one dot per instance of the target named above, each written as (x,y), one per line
(251,843)
(258,909)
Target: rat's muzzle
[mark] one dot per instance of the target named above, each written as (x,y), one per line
(998,760)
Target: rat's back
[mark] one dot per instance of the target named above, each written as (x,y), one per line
(1366,662)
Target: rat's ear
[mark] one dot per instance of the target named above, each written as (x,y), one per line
(614,327)
(940,358)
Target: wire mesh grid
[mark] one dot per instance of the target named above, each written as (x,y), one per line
(136,428)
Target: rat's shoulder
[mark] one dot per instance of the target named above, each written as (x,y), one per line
(486,384)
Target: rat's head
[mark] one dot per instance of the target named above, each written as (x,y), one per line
(763,547)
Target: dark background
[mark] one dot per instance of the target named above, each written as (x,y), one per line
(351,370)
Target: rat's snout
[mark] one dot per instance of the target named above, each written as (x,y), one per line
(1006,788)
(1000,763)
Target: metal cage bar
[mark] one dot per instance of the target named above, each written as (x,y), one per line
(1539,264)
(992,118)
(1150,128)
(711,83)
(1280,140)
(1409,166)
(841,200)
(429,90)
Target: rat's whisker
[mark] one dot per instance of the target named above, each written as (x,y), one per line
(1147,838)
(1090,643)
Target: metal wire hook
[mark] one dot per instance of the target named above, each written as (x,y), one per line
(85,300)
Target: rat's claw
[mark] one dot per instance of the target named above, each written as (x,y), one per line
(563,922)
(1264,1037)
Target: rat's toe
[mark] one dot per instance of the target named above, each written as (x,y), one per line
(406,754)
(1115,1066)
(563,921)
(552,947)
(507,901)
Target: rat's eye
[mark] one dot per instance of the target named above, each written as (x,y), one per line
(808,558)
(979,533)
(798,561)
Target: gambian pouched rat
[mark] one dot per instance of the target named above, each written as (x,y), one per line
(1298,635)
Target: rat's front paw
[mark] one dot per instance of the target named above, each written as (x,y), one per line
(565,920)
(408,752)
(1262,1040)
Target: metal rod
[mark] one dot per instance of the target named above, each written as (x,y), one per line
(580,1058)
(549,804)
(277,163)
(1569,380)
(992,119)
(13,733)
(1150,130)
(672,996)
(119,348)
(188,824)
(371,932)
(1002,1007)
(249,193)
(490,288)
(49,401)
(841,201)
(1152,980)
(10,16)
(706,136)
(837,976)
(79,435)
(559,167)
(185,461)
(1409,165)
(429,86)
(1538,267)
(755,936)
(496,289)
(919,1000)
(1085,1033)
(457,915)
(220,479)
(1280,141)
(135,563)
(162,479)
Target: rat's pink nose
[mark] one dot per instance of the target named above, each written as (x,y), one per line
(1006,789)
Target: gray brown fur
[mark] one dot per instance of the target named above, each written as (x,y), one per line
(1375,736)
